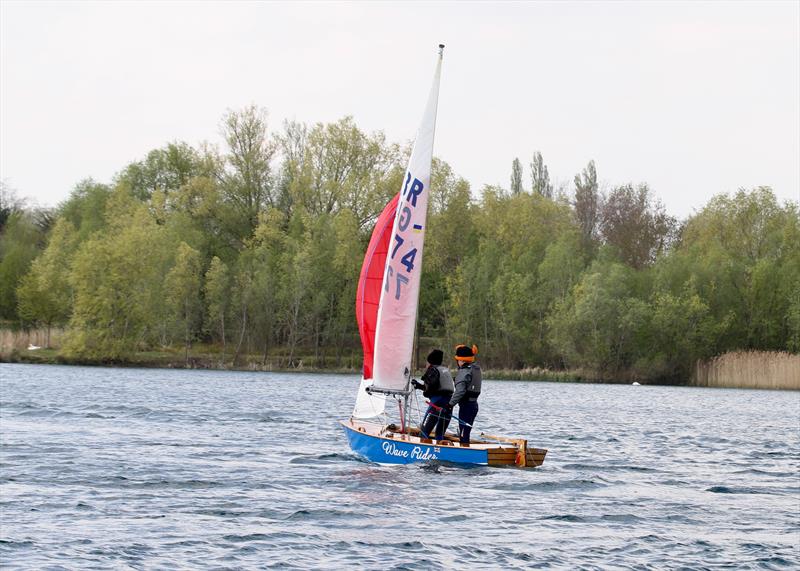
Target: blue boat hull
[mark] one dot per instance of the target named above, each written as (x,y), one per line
(385,450)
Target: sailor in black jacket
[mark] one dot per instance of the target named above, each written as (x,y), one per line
(437,386)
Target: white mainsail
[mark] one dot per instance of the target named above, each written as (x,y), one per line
(397,311)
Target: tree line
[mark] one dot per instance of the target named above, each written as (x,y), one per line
(255,248)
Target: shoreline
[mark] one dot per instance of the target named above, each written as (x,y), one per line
(211,362)
(166,360)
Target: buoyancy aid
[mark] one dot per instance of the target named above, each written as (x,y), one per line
(467,384)
(438,381)
(475,378)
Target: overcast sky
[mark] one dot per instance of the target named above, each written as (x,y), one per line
(693,98)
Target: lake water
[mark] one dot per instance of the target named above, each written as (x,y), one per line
(129,468)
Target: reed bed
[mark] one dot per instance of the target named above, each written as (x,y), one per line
(533,374)
(749,370)
(22,339)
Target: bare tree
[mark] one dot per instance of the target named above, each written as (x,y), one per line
(636,224)
(9,202)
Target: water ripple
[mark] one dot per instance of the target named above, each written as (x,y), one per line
(148,469)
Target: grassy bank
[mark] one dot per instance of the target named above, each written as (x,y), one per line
(203,358)
(210,358)
(169,359)
(14,347)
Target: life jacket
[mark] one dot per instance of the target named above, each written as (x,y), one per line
(446,384)
(438,382)
(474,387)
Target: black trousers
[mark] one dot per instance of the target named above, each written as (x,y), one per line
(467,411)
(438,419)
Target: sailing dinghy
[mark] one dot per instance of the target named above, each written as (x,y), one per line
(386,310)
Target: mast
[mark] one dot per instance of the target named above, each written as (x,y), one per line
(387,299)
(434,103)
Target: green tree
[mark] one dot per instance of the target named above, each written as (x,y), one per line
(586,204)
(340,167)
(346,267)
(682,330)
(605,321)
(450,236)
(86,207)
(516,176)
(540,178)
(561,266)
(266,258)
(20,242)
(793,318)
(117,278)
(217,296)
(44,293)
(183,286)
(10,203)
(243,299)
(164,170)
(742,253)
(247,181)
(496,290)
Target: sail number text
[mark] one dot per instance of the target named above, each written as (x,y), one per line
(406,205)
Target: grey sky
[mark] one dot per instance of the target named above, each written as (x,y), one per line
(693,98)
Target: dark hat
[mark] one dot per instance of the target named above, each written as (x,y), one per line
(435,357)
(464,353)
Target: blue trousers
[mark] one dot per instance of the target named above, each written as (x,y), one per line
(467,411)
(436,419)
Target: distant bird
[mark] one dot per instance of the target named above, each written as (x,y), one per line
(33,347)
(635,384)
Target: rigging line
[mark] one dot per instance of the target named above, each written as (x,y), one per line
(382,414)
(416,404)
(402,417)
(461,422)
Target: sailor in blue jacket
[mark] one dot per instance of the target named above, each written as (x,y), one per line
(437,386)
(467,390)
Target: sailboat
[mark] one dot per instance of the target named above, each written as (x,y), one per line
(386,311)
